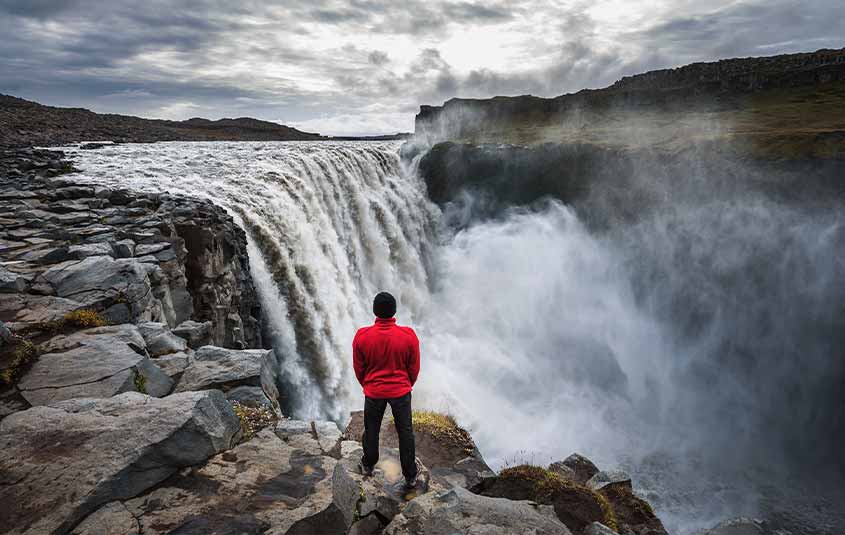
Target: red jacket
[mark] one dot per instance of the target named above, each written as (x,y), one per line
(386,358)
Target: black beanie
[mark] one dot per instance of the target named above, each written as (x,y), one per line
(384,305)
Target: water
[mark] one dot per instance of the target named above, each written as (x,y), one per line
(694,346)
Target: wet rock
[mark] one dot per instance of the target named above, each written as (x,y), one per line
(94,363)
(197,334)
(216,367)
(159,340)
(261,486)
(62,462)
(460,511)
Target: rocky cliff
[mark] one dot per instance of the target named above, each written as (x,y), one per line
(781,107)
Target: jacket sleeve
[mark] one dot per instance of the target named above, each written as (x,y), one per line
(413,362)
(359,362)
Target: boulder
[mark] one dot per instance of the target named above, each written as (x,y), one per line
(62,462)
(575,505)
(261,486)
(583,468)
(383,494)
(97,363)
(458,510)
(119,288)
(224,369)
(445,448)
(195,333)
(159,339)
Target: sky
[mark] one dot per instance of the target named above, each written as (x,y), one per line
(365,66)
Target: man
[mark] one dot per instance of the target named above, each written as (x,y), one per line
(386,358)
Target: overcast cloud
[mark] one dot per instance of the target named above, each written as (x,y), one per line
(365,66)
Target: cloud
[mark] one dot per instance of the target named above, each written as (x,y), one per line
(309,61)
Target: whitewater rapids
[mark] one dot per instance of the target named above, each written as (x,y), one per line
(535,332)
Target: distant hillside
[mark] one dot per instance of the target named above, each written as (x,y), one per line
(23,123)
(784,106)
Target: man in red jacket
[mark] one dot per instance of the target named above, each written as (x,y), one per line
(386,358)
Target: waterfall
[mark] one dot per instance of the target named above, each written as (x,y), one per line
(695,345)
(328,226)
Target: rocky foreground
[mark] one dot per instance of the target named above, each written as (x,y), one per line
(136,396)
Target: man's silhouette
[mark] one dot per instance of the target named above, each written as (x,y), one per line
(386,358)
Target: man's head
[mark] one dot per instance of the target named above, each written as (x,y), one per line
(384,305)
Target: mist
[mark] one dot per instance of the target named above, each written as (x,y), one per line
(668,318)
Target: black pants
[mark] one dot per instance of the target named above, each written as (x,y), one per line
(373,414)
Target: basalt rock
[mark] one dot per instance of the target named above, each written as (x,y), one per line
(62,462)
(447,450)
(133,257)
(224,369)
(458,510)
(93,363)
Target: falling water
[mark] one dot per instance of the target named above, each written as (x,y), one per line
(669,345)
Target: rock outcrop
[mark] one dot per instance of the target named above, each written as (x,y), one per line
(62,462)
(131,257)
(458,510)
(98,363)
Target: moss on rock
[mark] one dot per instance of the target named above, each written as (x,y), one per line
(575,505)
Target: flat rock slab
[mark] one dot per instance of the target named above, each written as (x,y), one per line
(216,367)
(460,511)
(103,283)
(97,363)
(62,462)
(383,494)
(262,486)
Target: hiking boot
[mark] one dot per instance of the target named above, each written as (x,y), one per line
(411,483)
(367,471)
